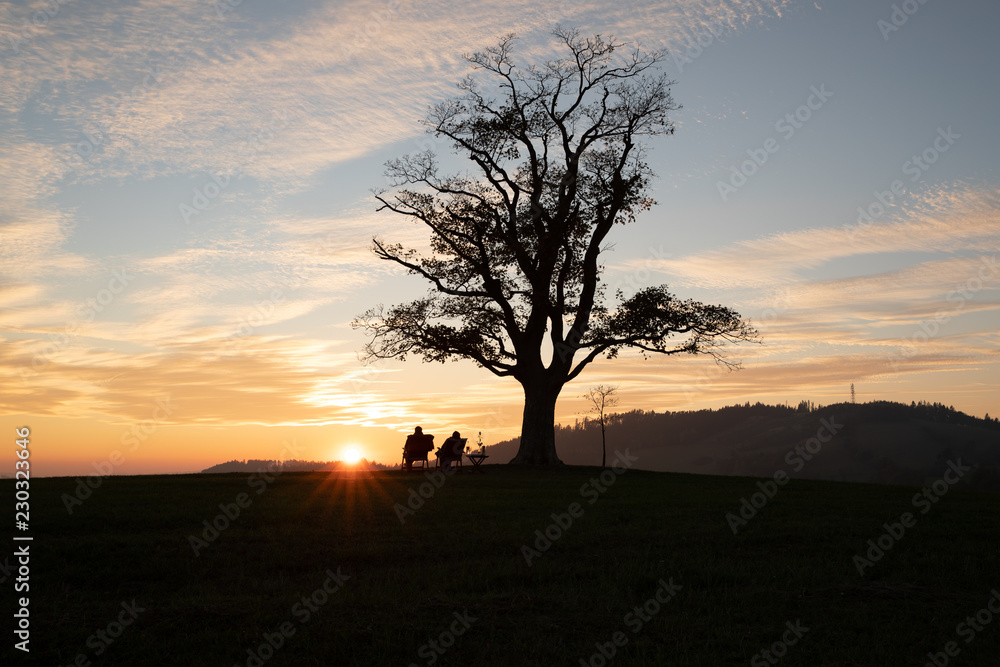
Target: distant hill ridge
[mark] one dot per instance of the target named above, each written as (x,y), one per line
(880,441)
(291,465)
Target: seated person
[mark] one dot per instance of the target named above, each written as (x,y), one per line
(451,450)
(416,447)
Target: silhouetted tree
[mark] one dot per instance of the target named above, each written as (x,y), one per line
(556,159)
(602,397)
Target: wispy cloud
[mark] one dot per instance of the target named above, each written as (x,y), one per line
(148,91)
(948,220)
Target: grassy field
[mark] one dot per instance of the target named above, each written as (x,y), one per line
(449,582)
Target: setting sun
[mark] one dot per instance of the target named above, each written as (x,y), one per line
(351,455)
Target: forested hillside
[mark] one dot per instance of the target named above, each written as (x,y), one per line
(872,442)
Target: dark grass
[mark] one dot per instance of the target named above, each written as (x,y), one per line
(461,552)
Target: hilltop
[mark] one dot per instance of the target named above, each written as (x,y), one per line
(881,441)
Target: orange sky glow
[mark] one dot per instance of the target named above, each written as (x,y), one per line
(186,222)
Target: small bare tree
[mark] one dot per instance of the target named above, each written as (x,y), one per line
(603,397)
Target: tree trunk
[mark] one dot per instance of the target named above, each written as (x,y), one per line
(538,437)
(604,446)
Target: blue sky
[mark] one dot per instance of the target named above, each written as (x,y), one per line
(185,212)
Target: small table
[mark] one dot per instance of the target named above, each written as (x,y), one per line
(477,460)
